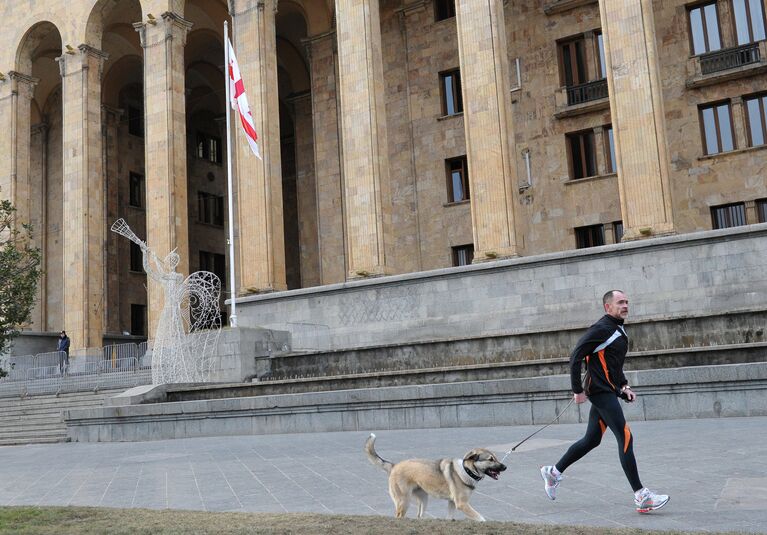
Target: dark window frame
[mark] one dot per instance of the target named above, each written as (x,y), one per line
(611,165)
(135,116)
(443,10)
(136,196)
(464,170)
(715,106)
(750,19)
(588,166)
(210,209)
(459,250)
(761,210)
(136,263)
(457,91)
(215,263)
(761,98)
(208,148)
(137,309)
(572,55)
(728,215)
(598,51)
(702,6)
(589,236)
(617,231)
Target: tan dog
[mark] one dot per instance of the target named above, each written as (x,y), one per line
(450,479)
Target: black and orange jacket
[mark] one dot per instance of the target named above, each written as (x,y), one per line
(604,348)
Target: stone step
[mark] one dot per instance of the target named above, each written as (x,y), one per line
(38,419)
(693,356)
(17,441)
(484,351)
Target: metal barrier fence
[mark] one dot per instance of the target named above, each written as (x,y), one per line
(113,366)
(94,376)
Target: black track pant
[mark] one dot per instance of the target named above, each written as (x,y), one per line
(605,412)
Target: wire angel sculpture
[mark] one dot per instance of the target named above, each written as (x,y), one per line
(187,332)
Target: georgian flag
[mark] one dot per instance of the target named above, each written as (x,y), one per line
(240,101)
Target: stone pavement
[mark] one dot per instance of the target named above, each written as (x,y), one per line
(713,470)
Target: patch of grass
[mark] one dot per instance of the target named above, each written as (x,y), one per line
(92,520)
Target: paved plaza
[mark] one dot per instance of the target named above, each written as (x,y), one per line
(713,470)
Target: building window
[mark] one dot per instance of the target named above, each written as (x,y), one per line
(590,236)
(618,231)
(136,258)
(728,215)
(704,28)
(452,98)
(749,20)
(601,55)
(463,255)
(756,111)
(581,154)
(761,210)
(572,62)
(138,320)
(136,121)
(612,167)
(210,208)
(457,179)
(716,128)
(444,9)
(136,190)
(208,148)
(215,263)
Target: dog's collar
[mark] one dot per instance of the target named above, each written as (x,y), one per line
(466,476)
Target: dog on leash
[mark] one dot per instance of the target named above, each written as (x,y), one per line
(450,479)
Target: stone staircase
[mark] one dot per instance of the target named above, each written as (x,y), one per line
(38,419)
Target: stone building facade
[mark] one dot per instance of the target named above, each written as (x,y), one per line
(397,136)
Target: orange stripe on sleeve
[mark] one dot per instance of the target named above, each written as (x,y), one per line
(604,367)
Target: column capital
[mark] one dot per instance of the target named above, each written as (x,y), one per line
(172,26)
(72,61)
(22,84)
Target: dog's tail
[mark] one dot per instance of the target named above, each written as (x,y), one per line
(374,457)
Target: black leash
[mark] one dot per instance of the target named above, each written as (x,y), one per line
(539,430)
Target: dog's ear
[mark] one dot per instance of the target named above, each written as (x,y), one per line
(473,455)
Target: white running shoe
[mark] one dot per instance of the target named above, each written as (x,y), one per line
(550,481)
(646,500)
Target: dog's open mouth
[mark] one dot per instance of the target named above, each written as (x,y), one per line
(493,473)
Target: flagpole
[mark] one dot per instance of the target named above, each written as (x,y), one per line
(233,315)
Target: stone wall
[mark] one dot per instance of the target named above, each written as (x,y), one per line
(698,274)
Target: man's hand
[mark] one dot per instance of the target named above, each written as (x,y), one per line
(580,397)
(628,394)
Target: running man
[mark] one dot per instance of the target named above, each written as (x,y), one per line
(604,348)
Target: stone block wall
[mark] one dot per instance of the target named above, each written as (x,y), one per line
(698,274)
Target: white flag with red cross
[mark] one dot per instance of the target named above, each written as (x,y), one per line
(240,101)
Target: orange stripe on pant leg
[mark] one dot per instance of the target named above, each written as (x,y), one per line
(626,437)
(602,425)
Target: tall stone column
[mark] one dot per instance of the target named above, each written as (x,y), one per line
(636,107)
(306,191)
(167,219)
(16,94)
(484,65)
(321,51)
(365,157)
(84,224)
(259,182)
